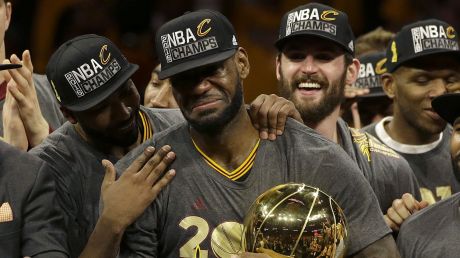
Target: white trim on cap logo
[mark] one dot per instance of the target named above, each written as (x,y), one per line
(92,75)
(433,37)
(309,19)
(104,60)
(234,42)
(351,45)
(199,28)
(183,43)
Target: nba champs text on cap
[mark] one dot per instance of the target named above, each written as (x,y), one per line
(193,40)
(419,39)
(317,20)
(371,68)
(86,70)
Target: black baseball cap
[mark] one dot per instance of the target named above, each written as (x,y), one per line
(87,69)
(447,106)
(419,39)
(370,71)
(193,40)
(317,20)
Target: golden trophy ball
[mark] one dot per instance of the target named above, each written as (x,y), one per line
(295,220)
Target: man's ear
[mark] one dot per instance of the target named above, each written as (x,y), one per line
(68,115)
(389,85)
(278,66)
(242,62)
(8,11)
(352,72)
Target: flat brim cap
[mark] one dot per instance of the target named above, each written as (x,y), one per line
(193,40)
(318,20)
(421,39)
(447,106)
(372,66)
(86,70)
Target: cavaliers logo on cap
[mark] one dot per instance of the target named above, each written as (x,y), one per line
(199,28)
(103,56)
(329,15)
(450,31)
(379,66)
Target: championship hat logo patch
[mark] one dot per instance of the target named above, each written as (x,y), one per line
(93,74)
(369,74)
(183,43)
(433,37)
(199,28)
(309,19)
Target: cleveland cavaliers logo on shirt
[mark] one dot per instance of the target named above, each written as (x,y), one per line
(433,37)
(93,74)
(185,43)
(310,19)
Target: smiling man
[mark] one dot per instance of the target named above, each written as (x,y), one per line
(423,63)
(433,232)
(91,81)
(313,66)
(221,164)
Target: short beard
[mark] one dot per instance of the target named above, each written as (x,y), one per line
(214,125)
(312,115)
(123,141)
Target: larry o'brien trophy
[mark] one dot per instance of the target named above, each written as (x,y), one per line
(296,220)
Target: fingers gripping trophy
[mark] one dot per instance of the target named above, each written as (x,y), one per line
(295,220)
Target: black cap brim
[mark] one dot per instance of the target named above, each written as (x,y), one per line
(280,42)
(428,53)
(447,106)
(373,95)
(9,66)
(192,64)
(91,101)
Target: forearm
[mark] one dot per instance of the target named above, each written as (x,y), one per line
(385,248)
(105,240)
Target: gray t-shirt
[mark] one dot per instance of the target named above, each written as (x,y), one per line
(30,224)
(389,175)
(48,103)
(201,207)
(432,232)
(432,164)
(79,173)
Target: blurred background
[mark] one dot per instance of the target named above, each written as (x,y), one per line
(43,25)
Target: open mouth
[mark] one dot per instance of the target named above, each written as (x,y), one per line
(309,86)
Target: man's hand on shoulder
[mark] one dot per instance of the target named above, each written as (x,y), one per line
(269,114)
(126,199)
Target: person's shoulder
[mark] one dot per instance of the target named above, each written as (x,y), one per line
(172,134)
(172,115)
(60,137)
(297,130)
(367,140)
(18,164)
(43,86)
(369,128)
